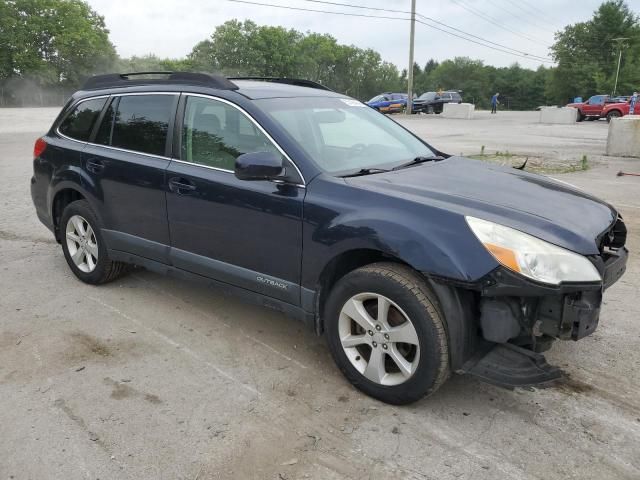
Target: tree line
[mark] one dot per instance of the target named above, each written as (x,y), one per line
(47,48)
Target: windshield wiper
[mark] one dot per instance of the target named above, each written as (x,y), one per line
(418,160)
(365,171)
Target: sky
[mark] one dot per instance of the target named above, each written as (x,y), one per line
(170,28)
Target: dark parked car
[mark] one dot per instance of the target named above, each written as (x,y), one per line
(415,264)
(433,102)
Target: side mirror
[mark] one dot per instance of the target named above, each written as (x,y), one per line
(258,166)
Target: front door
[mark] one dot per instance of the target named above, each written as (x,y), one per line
(594,106)
(244,233)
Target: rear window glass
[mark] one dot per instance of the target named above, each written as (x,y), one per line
(141,123)
(80,121)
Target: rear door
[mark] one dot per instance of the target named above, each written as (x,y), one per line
(244,233)
(127,160)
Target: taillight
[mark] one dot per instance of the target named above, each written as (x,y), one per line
(39,147)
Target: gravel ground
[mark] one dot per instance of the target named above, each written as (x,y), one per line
(150,377)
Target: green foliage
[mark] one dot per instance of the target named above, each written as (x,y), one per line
(587,54)
(244,48)
(54,44)
(584,163)
(520,88)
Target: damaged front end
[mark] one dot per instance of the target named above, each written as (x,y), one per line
(520,318)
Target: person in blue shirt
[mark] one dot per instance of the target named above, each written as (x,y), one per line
(494,103)
(632,103)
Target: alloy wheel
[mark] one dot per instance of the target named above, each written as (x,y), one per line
(379,339)
(82,244)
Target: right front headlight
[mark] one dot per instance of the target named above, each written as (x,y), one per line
(532,257)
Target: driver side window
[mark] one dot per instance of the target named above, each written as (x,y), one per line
(214,134)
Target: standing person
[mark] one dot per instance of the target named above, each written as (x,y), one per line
(494,103)
(632,103)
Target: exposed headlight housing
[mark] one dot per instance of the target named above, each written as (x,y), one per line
(532,257)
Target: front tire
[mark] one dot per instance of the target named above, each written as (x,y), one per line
(386,333)
(613,114)
(83,246)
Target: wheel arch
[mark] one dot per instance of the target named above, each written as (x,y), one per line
(336,268)
(69,185)
(456,305)
(61,199)
(616,110)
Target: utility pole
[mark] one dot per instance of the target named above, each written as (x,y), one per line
(410,71)
(620,41)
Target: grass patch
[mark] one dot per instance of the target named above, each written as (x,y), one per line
(534,164)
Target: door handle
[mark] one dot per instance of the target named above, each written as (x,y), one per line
(181,186)
(95,166)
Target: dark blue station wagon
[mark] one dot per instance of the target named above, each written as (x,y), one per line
(412,262)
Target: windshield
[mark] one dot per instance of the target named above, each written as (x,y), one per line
(427,96)
(343,135)
(377,98)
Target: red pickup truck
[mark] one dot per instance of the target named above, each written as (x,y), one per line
(592,108)
(614,110)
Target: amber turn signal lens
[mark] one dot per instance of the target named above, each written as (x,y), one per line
(503,255)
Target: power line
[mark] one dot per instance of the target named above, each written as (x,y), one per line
(519,52)
(522,55)
(497,23)
(351,5)
(318,11)
(359,6)
(528,20)
(535,10)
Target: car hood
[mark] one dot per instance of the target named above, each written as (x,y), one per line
(546,208)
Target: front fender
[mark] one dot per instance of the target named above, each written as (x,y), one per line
(397,235)
(433,241)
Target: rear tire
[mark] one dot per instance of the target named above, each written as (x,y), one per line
(83,245)
(399,356)
(581,117)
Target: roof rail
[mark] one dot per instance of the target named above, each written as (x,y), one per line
(129,79)
(288,81)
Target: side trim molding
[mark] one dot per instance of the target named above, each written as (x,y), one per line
(138,246)
(243,294)
(234,275)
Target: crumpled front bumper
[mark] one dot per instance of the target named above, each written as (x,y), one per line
(519,318)
(512,306)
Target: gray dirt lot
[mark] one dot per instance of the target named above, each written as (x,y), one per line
(150,377)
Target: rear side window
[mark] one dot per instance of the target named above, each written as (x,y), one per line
(79,123)
(138,122)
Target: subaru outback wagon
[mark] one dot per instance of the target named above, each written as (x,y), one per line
(413,263)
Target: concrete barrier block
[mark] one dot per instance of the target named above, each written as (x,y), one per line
(458,110)
(558,115)
(623,139)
